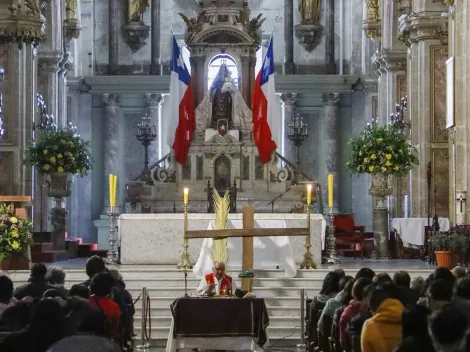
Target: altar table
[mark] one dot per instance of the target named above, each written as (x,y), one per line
(268,252)
(218,323)
(411,230)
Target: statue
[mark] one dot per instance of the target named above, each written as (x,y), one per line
(70,9)
(136,8)
(372,9)
(193,25)
(309,11)
(221,97)
(251,26)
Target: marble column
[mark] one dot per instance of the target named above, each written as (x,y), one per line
(289,106)
(330,38)
(289,66)
(154,103)
(330,141)
(113,37)
(155,64)
(111,162)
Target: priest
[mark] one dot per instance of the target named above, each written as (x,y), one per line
(217,282)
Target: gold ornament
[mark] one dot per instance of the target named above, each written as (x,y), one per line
(136,8)
(70,9)
(309,11)
(372,9)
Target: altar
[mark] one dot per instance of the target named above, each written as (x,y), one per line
(158,238)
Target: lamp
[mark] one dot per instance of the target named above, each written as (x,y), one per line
(297,132)
(45,120)
(146,134)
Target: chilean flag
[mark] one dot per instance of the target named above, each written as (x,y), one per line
(263,104)
(181,120)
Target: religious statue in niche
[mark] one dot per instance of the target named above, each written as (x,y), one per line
(372,9)
(309,11)
(221,98)
(70,9)
(136,9)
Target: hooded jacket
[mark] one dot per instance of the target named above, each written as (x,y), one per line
(383,332)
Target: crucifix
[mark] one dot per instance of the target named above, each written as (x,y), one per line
(247,234)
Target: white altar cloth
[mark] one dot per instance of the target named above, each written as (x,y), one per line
(268,252)
(411,230)
(213,343)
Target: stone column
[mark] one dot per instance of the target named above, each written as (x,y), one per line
(113,39)
(289,106)
(330,38)
(289,66)
(111,163)
(154,103)
(330,142)
(155,64)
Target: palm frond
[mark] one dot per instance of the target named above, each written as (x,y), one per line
(219,250)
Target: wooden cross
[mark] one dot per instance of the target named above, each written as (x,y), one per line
(247,234)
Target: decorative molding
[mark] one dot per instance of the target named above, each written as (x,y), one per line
(136,33)
(424,26)
(309,35)
(111,100)
(394,60)
(331,98)
(153,99)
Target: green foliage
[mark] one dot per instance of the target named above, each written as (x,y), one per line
(381,150)
(59,150)
(15,233)
(447,241)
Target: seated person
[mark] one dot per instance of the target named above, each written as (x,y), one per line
(216,283)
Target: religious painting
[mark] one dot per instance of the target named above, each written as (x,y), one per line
(222,173)
(450,86)
(438,93)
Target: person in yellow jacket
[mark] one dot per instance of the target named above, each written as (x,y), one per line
(382,332)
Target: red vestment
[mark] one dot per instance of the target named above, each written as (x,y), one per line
(225,284)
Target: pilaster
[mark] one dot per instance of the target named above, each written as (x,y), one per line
(154,103)
(289,106)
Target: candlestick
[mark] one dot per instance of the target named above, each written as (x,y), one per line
(308,261)
(330,190)
(111,254)
(186,191)
(331,254)
(309,194)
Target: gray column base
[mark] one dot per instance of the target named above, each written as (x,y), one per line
(380,228)
(288,68)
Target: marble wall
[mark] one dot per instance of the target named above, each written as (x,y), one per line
(94,38)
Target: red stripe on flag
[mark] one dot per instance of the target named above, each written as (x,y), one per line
(186,127)
(261,131)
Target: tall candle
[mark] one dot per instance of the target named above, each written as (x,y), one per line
(114,189)
(186,191)
(330,190)
(111,180)
(309,194)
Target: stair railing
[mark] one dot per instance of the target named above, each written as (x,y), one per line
(155,165)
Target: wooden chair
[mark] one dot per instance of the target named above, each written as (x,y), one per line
(351,237)
(314,314)
(324,337)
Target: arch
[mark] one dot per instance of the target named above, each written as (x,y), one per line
(214,65)
(223,165)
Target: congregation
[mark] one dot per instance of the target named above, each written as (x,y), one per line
(42,315)
(379,313)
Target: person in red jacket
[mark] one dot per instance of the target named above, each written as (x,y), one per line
(217,282)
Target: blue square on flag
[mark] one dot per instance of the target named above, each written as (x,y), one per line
(222,126)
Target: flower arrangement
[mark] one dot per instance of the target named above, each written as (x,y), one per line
(448,241)
(59,150)
(15,233)
(381,150)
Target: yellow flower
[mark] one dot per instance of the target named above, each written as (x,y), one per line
(60,169)
(388,156)
(371,168)
(45,151)
(388,163)
(15,245)
(52,159)
(396,168)
(14,233)
(360,153)
(46,167)
(380,140)
(373,156)
(366,160)
(14,220)
(59,156)
(383,169)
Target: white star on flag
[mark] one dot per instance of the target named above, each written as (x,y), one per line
(222,127)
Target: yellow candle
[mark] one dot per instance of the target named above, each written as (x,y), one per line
(114,189)
(330,190)
(309,194)
(111,180)
(186,191)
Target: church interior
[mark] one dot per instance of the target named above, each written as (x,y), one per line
(284,143)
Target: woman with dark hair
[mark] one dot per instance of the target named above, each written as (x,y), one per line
(46,328)
(6,293)
(355,307)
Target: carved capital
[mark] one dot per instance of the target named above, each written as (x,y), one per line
(289,98)
(424,26)
(394,60)
(153,99)
(72,29)
(111,100)
(372,29)
(331,98)
(49,62)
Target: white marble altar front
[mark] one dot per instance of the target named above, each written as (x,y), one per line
(158,238)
